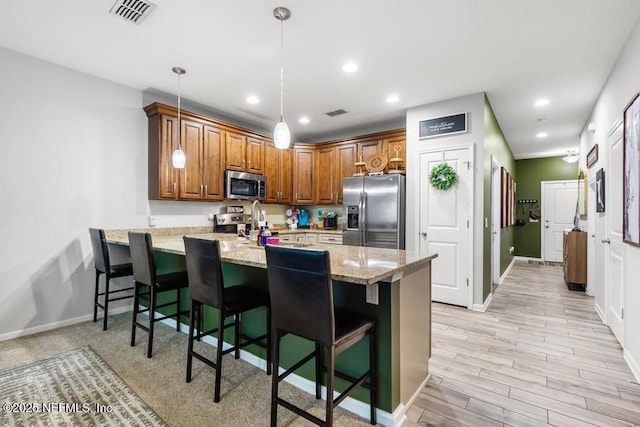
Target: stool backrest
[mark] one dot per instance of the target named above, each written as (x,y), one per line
(144,266)
(301,292)
(100,250)
(204,269)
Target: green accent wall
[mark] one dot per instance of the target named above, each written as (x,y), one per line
(495,146)
(531,172)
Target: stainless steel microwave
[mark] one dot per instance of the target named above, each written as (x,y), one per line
(245,186)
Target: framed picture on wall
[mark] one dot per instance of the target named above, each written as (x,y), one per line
(600,190)
(631,174)
(503,197)
(592,156)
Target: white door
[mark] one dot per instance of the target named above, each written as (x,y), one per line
(445,218)
(614,276)
(559,199)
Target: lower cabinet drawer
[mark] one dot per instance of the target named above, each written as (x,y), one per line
(335,239)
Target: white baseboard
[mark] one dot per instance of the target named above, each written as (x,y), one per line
(507,271)
(526,258)
(483,307)
(600,313)
(633,364)
(59,324)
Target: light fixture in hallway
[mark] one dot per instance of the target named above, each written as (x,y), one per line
(571,157)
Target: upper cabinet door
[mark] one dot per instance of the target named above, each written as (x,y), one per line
(255,155)
(164,183)
(369,148)
(346,159)
(303,173)
(271,171)
(213,163)
(191,177)
(396,146)
(286,176)
(325,174)
(235,149)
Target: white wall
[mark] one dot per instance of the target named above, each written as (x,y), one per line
(621,86)
(75,156)
(473,105)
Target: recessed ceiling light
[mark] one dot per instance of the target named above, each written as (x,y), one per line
(349,67)
(541,102)
(542,135)
(391,99)
(252,99)
(304,120)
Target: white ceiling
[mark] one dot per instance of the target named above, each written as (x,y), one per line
(421,50)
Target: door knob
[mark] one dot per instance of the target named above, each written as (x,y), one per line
(546,226)
(607,241)
(424,235)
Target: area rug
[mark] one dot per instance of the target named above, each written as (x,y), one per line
(74,388)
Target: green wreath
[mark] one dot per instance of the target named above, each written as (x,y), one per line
(443,177)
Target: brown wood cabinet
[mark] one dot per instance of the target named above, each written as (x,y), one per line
(244,153)
(278,168)
(575,259)
(303,176)
(163,178)
(333,162)
(399,140)
(306,175)
(204,150)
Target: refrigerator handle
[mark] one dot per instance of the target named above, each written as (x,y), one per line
(364,219)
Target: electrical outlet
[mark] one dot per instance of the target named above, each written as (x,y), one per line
(151,221)
(511,249)
(210,216)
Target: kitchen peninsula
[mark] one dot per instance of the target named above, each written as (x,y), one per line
(393,286)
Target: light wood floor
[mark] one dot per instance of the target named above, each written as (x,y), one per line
(538,356)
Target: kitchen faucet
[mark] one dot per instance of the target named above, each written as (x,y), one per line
(253,215)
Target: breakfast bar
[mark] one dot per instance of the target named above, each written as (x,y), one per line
(393,286)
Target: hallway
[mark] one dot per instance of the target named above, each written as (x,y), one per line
(538,356)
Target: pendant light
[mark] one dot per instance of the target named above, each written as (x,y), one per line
(178,159)
(281,134)
(571,157)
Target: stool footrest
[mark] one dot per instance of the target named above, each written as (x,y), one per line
(292,369)
(300,412)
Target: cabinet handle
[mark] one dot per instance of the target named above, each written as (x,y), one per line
(201,189)
(206,189)
(332,196)
(296,196)
(174,188)
(249,164)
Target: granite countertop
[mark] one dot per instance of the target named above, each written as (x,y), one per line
(354,264)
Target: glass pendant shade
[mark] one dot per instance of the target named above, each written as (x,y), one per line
(281,135)
(178,159)
(572,157)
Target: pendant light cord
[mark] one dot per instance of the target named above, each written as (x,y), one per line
(282,70)
(179,126)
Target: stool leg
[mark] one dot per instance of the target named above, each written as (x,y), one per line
(192,321)
(318,371)
(152,321)
(216,392)
(179,308)
(136,302)
(107,279)
(237,335)
(275,358)
(372,375)
(331,359)
(95,300)
(269,367)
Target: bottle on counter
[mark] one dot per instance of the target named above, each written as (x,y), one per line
(265,234)
(260,236)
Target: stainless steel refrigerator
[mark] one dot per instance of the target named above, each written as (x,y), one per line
(374,211)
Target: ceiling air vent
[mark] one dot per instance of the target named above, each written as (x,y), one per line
(132,10)
(336,113)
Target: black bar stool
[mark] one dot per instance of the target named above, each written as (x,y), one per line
(144,276)
(206,287)
(103,266)
(301,293)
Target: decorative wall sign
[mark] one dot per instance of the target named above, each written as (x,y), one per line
(592,157)
(600,190)
(507,199)
(446,125)
(631,174)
